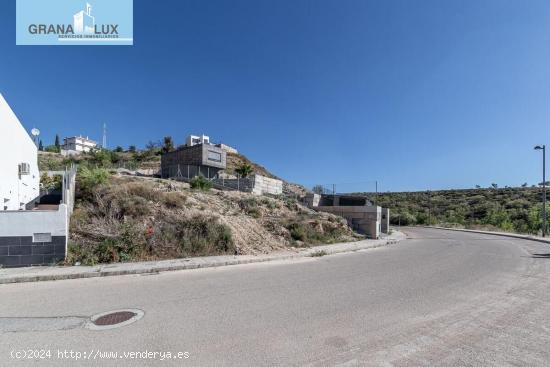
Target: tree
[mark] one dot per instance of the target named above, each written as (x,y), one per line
(494,186)
(40,146)
(478,187)
(57,145)
(244,170)
(201,183)
(51,149)
(524,184)
(119,149)
(168,144)
(132,148)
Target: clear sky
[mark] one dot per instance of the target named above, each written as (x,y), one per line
(418,95)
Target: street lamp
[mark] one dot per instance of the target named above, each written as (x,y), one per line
(543,148)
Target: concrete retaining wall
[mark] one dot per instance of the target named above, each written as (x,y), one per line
(266,185)
(256,184)
(33,237)
(364,219)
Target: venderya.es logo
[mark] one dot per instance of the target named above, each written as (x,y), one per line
(75,22)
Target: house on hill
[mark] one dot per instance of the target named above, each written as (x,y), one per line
(19,176)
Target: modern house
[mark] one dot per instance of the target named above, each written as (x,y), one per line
(19,176)
(193,140)
(190,161)
(77,145)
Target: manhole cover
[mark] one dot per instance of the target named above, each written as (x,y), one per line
(114,318)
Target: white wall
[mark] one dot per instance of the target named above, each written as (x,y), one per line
(266,185)
(16,146)
(28,222)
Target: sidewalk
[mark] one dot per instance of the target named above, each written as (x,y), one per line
(504,234)
(43,273)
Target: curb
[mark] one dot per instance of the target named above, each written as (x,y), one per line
(82,272)
(502,234)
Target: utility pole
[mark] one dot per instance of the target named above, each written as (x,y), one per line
(543,148)
(376,195)
(104,136)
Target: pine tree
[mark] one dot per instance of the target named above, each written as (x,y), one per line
(57,145)
(40,146)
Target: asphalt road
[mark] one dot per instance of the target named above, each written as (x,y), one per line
(439,298)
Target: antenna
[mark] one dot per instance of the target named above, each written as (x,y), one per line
(35,132)
(104,145)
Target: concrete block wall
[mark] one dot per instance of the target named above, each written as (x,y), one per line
(256,184)
(266,185)
(365,219)
(34,237)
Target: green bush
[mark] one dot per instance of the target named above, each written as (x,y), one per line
(200,182)
(88,179)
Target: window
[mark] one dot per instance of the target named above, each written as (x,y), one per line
(214,156)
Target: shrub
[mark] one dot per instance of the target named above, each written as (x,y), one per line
(319,253)
(250,207)
(315,232)
(199,235)
(133,206)
(200,182)
(88,179)
(51,182)
(174,200)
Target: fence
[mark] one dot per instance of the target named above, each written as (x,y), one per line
(38,237)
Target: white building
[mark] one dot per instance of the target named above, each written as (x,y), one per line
(19,177)
(83,21)
(196,140)
(77,145)
(203,139)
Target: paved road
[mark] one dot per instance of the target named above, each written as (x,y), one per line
(439,298)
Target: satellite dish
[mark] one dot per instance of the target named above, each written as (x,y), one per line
(35,132)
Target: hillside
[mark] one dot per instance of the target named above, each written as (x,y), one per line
(148,162)
(511,209)
(121,218)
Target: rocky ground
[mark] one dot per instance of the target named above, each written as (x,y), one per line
(132,219)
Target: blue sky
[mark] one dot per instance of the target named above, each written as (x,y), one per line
(415,94)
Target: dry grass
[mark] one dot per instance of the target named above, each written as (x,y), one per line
(133,219)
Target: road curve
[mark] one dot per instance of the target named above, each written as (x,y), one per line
(438,298)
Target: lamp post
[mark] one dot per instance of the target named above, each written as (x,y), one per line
(543,148)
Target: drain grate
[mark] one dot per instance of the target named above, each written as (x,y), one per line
(114,318)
